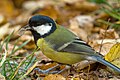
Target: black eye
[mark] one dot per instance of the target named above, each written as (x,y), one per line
(48,24)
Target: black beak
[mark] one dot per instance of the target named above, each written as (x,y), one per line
(23,29)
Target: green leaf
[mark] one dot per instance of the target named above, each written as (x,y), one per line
(8,39)
(112,13)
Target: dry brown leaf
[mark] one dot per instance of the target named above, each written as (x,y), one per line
(70,1)
(32,5)
(50,11)
(6,30)
(114,41)
(30,45)
(102,15)
(54,77)
(86,22)
(57,9)
(105,47)
(74,26)
(82,65)
(82,5)
(110,34)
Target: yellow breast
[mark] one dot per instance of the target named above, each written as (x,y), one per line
(61,57)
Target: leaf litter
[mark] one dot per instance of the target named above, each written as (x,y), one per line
(80,16)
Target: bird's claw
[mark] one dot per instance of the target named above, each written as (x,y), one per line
(48,71)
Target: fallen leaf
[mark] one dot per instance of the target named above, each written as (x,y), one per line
(82,65)
(54,77)
(107,41)
(25,37)
(6,29)
(85,20)
(104,45)
(113,55)
(103,48)
(82,5)
(110,34)
(74,27)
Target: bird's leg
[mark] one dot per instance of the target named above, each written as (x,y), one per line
(60,71)
(56,69)
(47,70)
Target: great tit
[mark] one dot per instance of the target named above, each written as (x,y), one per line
(60,44)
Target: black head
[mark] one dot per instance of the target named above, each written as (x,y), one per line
(38,20)
(41,26)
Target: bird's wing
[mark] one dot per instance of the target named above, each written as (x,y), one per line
(76,46)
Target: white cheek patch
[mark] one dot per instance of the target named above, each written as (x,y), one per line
(42,29)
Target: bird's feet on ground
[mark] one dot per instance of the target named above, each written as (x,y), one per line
(50,67)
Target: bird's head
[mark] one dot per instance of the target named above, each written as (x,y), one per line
(40,26)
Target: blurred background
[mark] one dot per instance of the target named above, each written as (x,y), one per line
(89,19)
(92,20)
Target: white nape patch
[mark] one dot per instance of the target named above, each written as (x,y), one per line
(43,29)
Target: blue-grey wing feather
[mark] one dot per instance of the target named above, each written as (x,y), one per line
(77,46)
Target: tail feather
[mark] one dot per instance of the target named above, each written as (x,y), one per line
(106,63)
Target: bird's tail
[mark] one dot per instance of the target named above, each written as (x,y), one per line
(103,61)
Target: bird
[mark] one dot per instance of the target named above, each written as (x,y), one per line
(60,44)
